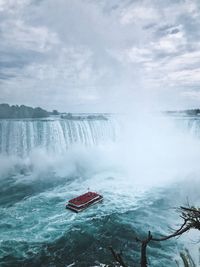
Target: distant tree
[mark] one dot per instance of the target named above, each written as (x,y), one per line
(55,112)
(4,111)
(191,220)
(40,113)
(15,111)
(193,112)
(69,115)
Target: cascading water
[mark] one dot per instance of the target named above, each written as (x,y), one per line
(19,137)
(189,124)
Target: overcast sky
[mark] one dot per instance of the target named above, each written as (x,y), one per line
(100,55)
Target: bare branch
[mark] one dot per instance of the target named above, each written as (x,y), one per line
(179,232)
(117,257)
(191,220)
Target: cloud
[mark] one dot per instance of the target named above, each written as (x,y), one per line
(188,76)
(26,37)
(170,43)
(194,95)
(13,6)
(139,14)
(87,55)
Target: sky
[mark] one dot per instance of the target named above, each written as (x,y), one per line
(100,55)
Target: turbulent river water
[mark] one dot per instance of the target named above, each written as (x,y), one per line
(143,168)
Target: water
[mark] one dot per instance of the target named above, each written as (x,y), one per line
(19,137)
(45,163)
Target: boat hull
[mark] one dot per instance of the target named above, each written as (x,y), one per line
(83,207)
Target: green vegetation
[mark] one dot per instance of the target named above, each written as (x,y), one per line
(189,112)
(18,112)
(193,112)
(55,112)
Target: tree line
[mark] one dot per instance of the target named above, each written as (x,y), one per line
(19,112)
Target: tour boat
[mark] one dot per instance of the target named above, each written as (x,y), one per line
(84,201)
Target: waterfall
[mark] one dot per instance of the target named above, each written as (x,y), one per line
(189,125)
(19,137)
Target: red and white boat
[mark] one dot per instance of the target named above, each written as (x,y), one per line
(84,201)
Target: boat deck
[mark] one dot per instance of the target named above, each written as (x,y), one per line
(84,201)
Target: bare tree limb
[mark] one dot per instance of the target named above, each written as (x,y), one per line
(191,220)
(117,257)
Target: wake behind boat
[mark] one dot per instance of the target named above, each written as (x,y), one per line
(84,201)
